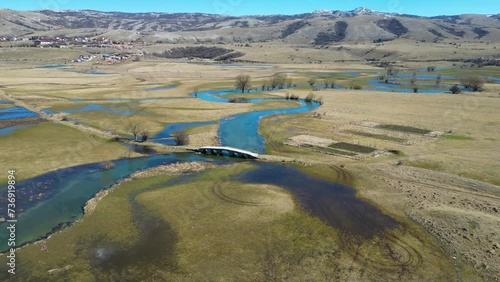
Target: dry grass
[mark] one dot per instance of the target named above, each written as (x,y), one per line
(225,240)
(46,147)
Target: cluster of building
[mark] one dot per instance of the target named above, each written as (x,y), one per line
(13,38)
(64,42)
(112,59)
(84,58)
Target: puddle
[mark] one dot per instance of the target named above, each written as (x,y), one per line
(60,66)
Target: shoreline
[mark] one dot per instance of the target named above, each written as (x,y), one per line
(175,169)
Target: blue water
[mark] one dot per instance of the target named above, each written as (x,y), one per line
(242,130)
(247,66)
(217,96)
(52,66)
(94,72)
(5,102)
(49,112)
(48,202)
(424,76)
(496,79)
(391,87)
(171,128)
(65,192)
(8,130)
(16,112)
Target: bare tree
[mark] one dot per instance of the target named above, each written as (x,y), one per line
(455,89)
(265,83)
(472,82)
(392,70)
(311,81)
(181,138)
(280,80)
(273,83)
(195,91)
(242,82)
(135,127)
(310,97)
(329,83)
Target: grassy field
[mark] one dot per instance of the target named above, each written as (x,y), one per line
(46,147)
(352,147)
(376,136)
(408,129)
(223,230)
(217,237)
(71,254)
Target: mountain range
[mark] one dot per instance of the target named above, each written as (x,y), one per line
(322,27)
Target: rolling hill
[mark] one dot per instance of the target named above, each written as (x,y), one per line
(319,28)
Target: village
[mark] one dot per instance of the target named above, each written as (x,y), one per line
(67,42)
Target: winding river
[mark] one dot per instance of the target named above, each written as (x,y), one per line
(52,201)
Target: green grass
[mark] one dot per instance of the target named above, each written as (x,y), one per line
(402,128)
(46,146)
(329,151)
(430,165)
(216,239)
(486,71)
(457,137)
(111,224)
(352,147)
(377,136)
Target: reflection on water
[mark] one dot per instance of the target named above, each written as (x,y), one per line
(242,130)
(54,199)
(335,203)
(16,112)
(52,66)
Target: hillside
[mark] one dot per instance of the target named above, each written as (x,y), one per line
(320,28)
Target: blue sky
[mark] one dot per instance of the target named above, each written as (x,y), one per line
(252,7)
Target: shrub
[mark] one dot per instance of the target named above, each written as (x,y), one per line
(472,82)
(107,165)
(144,136)
(309,98)
(181,138)
(357,86)
(311,81)
(455,89)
